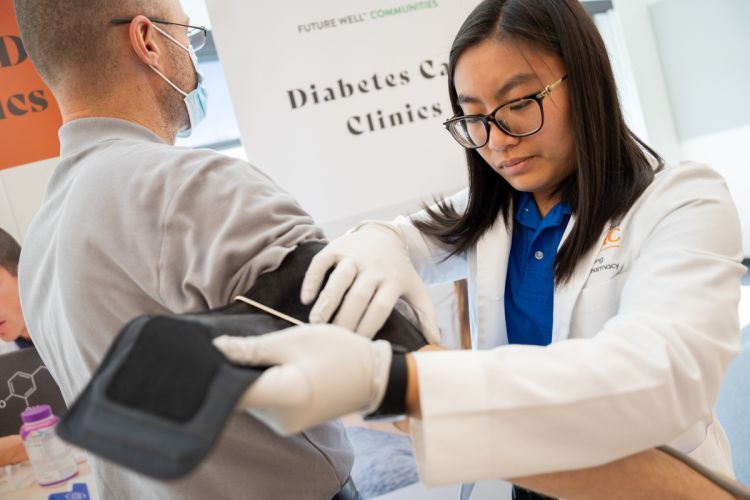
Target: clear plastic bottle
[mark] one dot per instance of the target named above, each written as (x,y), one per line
(51,459)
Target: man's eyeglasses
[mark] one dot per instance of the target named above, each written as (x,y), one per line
(520,117)
(196,34)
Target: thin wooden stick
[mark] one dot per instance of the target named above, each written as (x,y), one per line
(267,309)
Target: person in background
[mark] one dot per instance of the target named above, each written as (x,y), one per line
(12,329)
(12,324)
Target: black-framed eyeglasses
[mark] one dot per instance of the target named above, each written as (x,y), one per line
(196,34)
(519,117)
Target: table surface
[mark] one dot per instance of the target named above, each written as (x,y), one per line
(17,482)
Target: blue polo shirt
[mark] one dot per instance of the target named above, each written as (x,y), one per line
(530,283)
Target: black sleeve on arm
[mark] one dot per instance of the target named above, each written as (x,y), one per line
(279,289)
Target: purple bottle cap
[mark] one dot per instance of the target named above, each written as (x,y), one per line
(36,413)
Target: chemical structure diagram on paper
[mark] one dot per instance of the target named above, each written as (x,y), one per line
(21,385)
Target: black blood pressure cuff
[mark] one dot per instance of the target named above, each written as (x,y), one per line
(158,402)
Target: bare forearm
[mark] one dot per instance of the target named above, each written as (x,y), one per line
(649,474)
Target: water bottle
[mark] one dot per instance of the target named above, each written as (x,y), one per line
(51,459)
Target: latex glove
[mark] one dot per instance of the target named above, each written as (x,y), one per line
(372,271)
(318,373)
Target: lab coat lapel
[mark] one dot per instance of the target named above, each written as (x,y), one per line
(566,295)
(493,251)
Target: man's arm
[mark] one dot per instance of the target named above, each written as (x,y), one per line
(225,225)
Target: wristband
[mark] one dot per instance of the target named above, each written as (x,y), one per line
(394,399)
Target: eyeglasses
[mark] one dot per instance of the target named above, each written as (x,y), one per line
(196,34)
(520,117)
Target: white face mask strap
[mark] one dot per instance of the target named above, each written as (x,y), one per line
(185,94)
(169,81)
(170,37)
(267,309)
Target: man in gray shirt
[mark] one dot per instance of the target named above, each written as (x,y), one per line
(131,224)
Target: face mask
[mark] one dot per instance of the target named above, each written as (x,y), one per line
(196,101)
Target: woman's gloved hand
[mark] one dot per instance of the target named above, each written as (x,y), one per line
(317,373)
(372,271)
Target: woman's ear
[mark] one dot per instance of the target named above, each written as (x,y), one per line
(143,42)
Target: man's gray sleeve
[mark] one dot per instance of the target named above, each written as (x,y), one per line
(225,224)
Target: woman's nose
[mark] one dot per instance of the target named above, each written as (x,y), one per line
(499,140)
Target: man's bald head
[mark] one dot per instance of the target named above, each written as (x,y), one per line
(73,37)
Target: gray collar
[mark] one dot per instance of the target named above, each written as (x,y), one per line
(77,135)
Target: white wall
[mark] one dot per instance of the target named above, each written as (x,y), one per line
(21,191)
(703,47)
(639,48)
(728,152)
(690,64)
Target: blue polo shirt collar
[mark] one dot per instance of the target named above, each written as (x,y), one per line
(528,214)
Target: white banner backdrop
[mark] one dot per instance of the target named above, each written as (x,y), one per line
(341,102)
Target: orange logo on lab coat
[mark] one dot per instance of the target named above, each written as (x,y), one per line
(613,238)
(29,116)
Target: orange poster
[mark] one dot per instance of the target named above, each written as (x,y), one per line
(29,116)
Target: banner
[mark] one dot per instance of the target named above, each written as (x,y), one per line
(342,102)
(29,115)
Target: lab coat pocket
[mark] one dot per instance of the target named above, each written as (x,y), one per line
(595,305)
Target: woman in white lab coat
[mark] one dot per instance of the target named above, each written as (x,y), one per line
(603,284)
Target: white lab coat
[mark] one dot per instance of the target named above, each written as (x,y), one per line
(642,335)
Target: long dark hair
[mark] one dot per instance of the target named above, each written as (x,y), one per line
(612,165)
